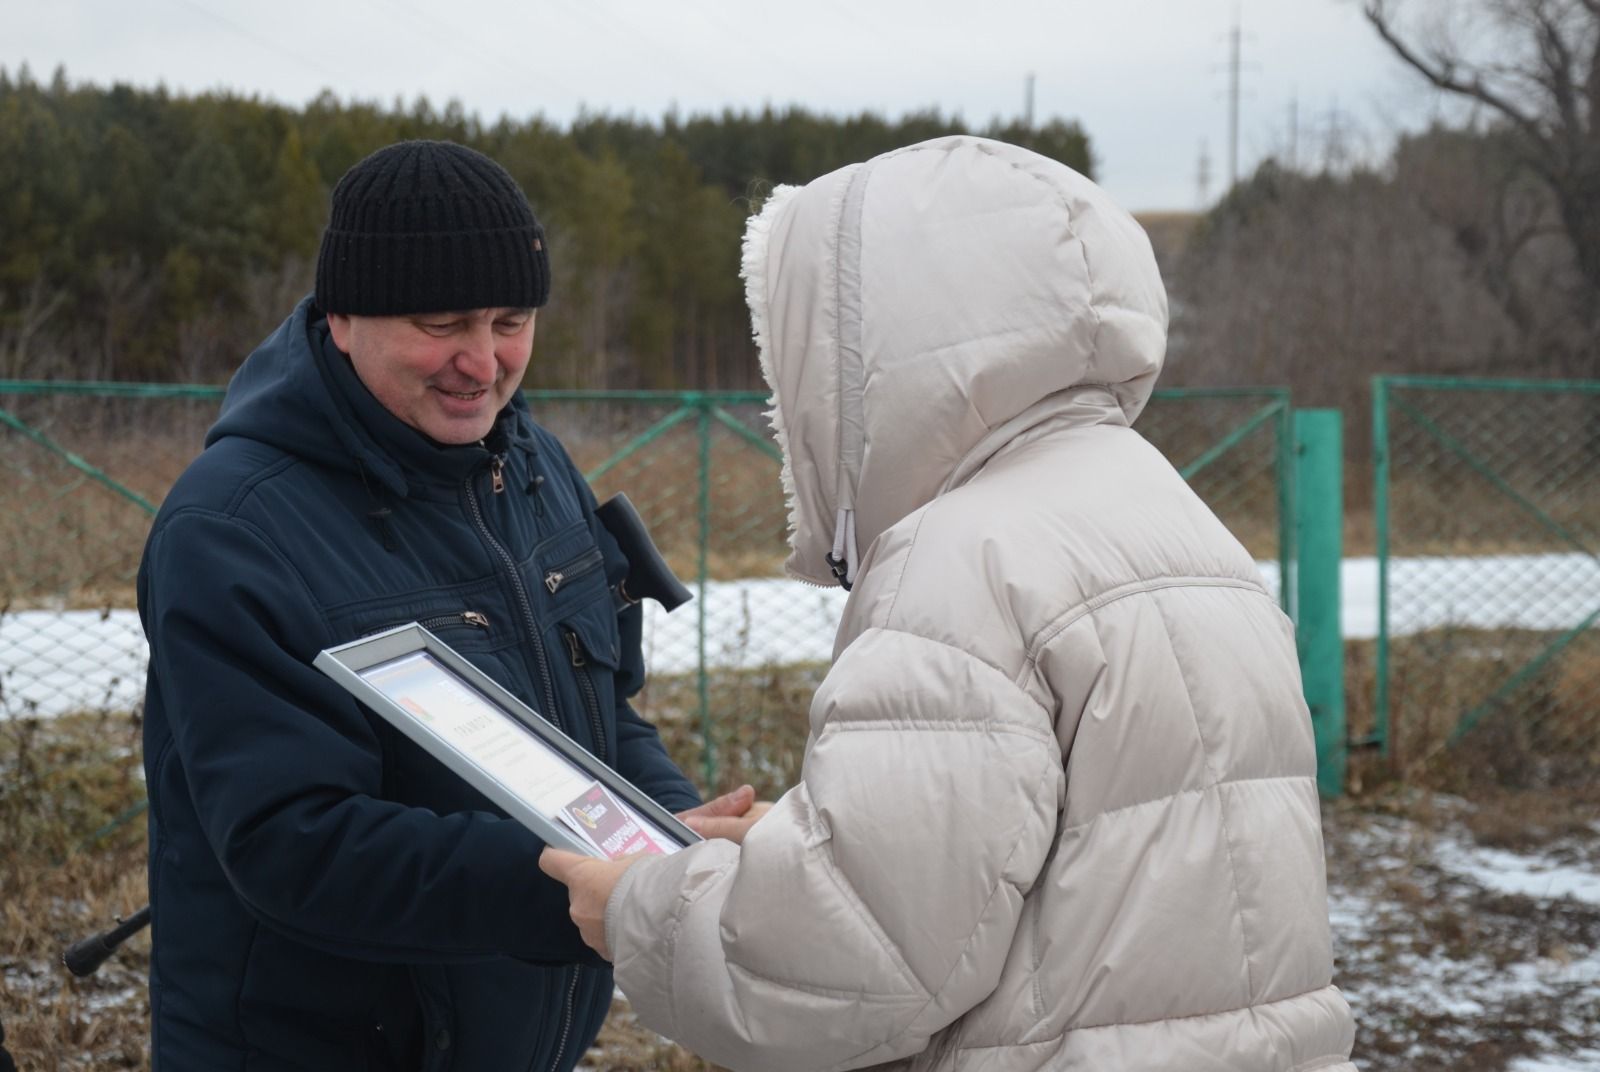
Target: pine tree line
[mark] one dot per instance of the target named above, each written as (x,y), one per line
(149,235)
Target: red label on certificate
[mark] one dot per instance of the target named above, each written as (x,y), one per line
(601,820)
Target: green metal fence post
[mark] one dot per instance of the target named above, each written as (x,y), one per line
(1283,471)
(708,752)
(1380,523)
(1319,546)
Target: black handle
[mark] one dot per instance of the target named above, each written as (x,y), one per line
(83,958)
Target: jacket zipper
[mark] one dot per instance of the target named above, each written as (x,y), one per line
(568,571)
(591,699)
(541,659)
(466,617)
(497,479)
(566,1017)
(438,621)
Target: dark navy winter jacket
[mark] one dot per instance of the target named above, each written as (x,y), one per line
(327,895)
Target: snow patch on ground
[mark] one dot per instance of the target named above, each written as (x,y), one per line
(1539,876)
(1586,1061)
(56,661)
(1445,948)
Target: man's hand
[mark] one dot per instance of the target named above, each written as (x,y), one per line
(729,816)
(590,881)
(589,884)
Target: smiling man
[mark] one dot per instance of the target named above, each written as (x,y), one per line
(326,895)
(448,375)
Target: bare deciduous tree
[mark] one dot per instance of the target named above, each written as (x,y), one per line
(1534,65)
(17,330)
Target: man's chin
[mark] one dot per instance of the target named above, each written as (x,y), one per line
(454,431)
(455,422)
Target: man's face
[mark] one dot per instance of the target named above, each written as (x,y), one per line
(445,374)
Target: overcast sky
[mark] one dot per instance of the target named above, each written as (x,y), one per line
(1147,78)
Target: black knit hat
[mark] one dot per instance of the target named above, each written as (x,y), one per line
(430,227)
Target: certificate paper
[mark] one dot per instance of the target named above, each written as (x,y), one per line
(459,717)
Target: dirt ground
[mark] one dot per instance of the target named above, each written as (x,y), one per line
(1466,933)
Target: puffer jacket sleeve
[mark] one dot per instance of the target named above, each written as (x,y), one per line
(285,769)
(878,901)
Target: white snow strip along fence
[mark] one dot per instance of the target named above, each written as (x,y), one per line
(53,662)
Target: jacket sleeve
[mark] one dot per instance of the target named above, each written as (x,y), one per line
(285,769)
(642,759)
(878,900)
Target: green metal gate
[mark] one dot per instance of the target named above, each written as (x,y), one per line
(1487,511)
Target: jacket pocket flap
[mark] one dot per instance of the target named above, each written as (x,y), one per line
(593,627)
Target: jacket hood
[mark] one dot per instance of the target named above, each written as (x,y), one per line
(918,312)
(299,393)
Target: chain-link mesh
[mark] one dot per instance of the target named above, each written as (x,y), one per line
(83,475)
(1491,557)
(731,672)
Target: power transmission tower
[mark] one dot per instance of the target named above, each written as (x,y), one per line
(1027,105)
(1202,177)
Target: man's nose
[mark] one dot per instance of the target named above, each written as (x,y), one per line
(475,357)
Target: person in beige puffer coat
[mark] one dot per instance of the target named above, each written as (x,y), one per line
(1058,805)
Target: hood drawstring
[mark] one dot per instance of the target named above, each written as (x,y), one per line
(843,561)
(379,511)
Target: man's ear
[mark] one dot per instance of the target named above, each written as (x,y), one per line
(339,328)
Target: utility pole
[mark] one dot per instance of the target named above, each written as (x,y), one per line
(1233,101)
(1027,103)
(1294,128)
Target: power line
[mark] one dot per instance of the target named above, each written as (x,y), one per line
(255,38)
(582,7)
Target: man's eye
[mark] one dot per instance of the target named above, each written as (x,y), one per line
(510,327)
(437,328)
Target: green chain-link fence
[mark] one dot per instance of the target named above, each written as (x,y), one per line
(1487,509)
(85,465)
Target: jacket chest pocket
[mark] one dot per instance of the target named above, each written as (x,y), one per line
(580,630)
(474,619)
(574,570)
(588,644)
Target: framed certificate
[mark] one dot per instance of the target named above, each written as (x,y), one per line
(503,747)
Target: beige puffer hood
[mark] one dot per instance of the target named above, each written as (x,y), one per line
(1058,805)
(907,337)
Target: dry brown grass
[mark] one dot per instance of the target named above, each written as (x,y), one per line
(1541,734)
(64,780)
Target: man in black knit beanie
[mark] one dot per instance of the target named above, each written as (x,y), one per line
(325,894)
